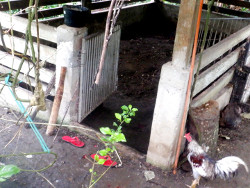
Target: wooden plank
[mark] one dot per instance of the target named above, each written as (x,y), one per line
(215,51)
(6,100)
(215,71)
(6,60)
(19,24)
(228,11)
(21,4)
(46,53)
(44,13)
(24,78)
(53,21)
(246,92)
(223,97)
(236,3)
(211,92)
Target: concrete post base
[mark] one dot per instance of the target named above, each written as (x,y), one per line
(69,49)
(167,116)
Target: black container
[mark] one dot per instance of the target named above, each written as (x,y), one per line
(76,15)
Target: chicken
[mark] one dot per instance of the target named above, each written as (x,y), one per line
(204,166)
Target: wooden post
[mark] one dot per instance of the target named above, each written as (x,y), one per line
(57,102)
(172,90)
(241,75)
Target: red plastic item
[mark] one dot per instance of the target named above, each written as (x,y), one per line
(74,141)
(108,161)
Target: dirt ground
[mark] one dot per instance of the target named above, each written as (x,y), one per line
(139,68)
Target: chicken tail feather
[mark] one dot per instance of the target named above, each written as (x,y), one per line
(228,166)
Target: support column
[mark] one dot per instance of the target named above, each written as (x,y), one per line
(172,90)
(69,49)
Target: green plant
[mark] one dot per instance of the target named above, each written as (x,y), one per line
(6,171)
(111,137)
(114,136)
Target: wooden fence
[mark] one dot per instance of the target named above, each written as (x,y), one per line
(220,59)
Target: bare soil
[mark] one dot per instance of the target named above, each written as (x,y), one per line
(140,62)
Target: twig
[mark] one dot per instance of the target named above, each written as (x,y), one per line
(114,10)
(46,179)
(53,124)
(67,108)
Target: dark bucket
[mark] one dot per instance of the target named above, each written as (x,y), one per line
(75,15)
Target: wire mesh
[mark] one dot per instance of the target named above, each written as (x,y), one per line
(219,29)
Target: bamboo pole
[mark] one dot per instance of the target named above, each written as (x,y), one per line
(57,102)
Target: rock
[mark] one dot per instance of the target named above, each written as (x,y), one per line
(149,175)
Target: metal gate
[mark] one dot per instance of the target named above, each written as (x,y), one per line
(92,95)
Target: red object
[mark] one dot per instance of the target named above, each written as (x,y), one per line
(101,157)
(108,161)
(74,141)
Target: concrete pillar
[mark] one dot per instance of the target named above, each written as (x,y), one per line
(172,90)
(69,45)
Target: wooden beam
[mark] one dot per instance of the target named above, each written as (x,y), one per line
(212,91)
(13,62)
(236,3)
(19,24)
(44,13)
(46,53)
(228,11)
(217,50)
(53,21)
(21,4)
(6,100)
(215,71)
(23,77)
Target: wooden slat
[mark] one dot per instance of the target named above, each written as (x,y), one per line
(6,60)
(212,53)
(45,13)
(215,71)
(228,11)
(24,78)
(6,100)
(236,3)
(53,21)
(19,24)
(128,5)
(21,4)
(212,91)
(46,53)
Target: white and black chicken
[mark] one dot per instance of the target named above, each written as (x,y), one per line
(204,166)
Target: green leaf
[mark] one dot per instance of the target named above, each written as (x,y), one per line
(124,108)
(104,139)
(94,173)
(101,161)
(130,107)
(119,137)
(115,124)
(135,109)
(103,152)
(90,170)
(118,116)
(132,113)
(127,120)
(96,158)
(7,171)
(105,130)
(108,149)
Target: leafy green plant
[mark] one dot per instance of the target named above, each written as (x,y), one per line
(111,136)
(114,136)
(6,171)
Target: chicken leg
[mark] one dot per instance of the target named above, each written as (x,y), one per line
(195,183)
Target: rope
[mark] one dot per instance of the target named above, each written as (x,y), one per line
(28,118)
